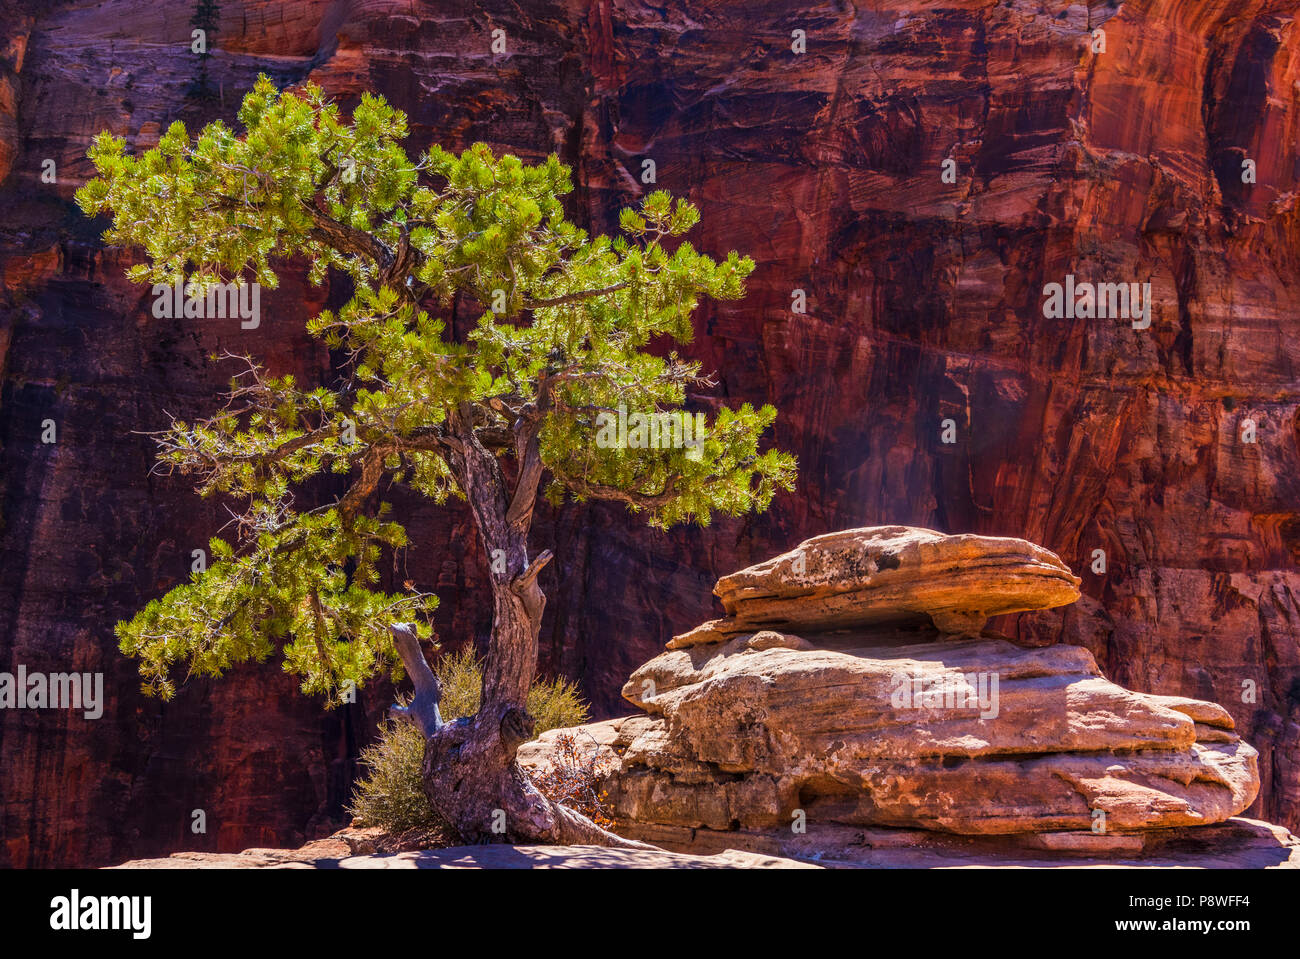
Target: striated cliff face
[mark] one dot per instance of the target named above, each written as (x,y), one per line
(924,304)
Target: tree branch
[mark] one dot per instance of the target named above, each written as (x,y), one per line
(531,468)
(575,297)
(423,709)
(345,238)
(372,468)
(642,500)
(529,576)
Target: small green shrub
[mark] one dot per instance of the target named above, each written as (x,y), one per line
(461,676)
(554,704)
(390,792)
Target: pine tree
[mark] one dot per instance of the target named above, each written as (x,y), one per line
(507,411)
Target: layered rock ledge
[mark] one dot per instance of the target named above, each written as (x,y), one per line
(851,693)
(1236,844)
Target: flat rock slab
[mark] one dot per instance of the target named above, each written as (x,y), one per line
(861,577)
(1237,844)
(496,856)
(567,857)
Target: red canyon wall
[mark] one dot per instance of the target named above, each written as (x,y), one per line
(924,304)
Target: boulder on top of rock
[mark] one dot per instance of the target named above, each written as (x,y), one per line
(860,577)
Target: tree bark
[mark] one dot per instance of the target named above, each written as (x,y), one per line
(470,772)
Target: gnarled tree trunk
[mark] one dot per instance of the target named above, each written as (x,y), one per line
(470,772)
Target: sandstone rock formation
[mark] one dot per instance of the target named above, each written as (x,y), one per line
(862,576)
(923,305)
(839,721)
